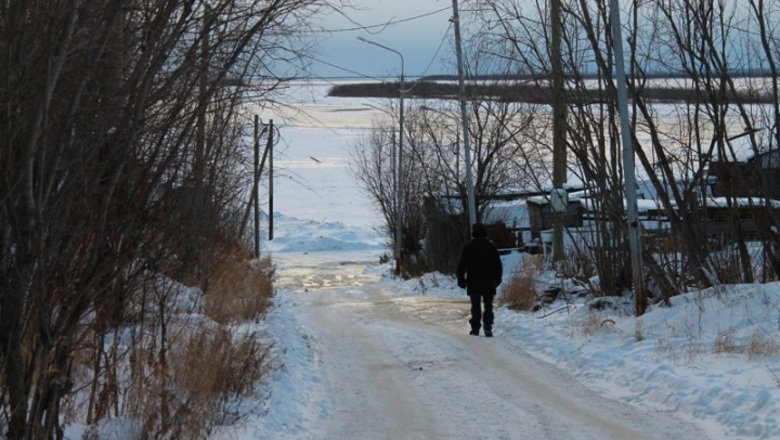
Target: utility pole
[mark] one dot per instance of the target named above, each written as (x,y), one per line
(255,190)
(254,196)
(634,239)
(399,223)
(464,117)
(559,201)
(270,149)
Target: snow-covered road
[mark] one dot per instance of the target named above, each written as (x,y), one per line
(362,356)
(404,367)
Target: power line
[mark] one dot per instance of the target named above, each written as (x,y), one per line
(441,44)
(367,28)
(360,27)
(363,75)
(335,66)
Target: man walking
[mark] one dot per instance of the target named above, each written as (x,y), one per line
(480,272)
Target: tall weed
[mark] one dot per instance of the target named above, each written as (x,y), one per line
(240,288)
(520,291)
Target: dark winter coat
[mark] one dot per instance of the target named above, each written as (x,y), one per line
(479,267)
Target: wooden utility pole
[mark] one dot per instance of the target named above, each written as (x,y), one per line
(270,150)
(255,190)
(254,196)
(464,117)
(559,131)
(632,210)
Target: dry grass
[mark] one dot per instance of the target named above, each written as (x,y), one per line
(191,374)
(211,371)
(759,345)
(727,264)
(680,352)
(239,288)
(206,372)
(520,291)
(725,344)
(762,346)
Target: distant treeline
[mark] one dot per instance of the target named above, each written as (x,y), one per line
(509,90)
(745,73)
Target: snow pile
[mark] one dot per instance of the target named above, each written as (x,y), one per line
(713,357)
(296,400)
(296,235)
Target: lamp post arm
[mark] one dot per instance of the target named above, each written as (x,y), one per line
(363,40)
(399,192)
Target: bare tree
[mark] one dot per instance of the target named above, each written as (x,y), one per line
(706,45)
(373,162)
(710,45)
(522,37)
(121,145)
(433,182)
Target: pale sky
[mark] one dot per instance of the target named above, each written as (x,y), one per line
(417,29)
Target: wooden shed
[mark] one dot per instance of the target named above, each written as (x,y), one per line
(759,176)
(541,215)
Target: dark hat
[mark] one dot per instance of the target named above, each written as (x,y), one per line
(478,230)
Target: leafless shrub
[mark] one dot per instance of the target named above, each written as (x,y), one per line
(184,373)
(579,265)
(122,158)
(199,383)
(677,147)
(433,189)
(727,263)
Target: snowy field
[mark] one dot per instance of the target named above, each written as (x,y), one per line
(710,360)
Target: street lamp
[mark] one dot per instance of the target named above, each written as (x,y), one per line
(399,191)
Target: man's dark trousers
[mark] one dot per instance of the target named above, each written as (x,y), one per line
(476,311)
